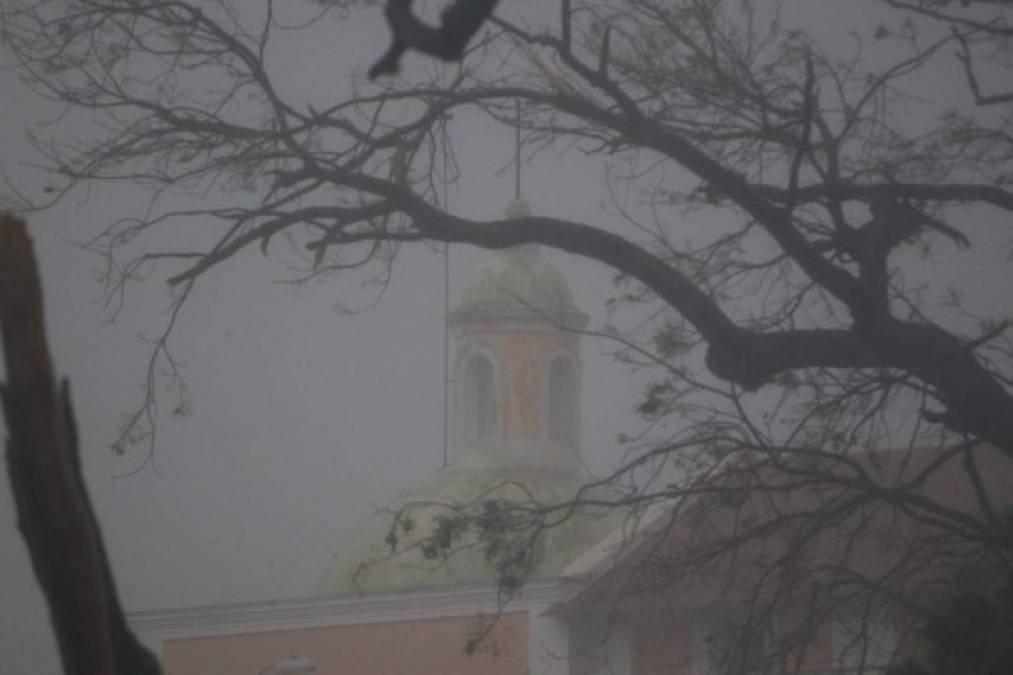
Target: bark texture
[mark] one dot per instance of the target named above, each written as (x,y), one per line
(55,515)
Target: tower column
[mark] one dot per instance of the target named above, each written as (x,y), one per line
(548,643)
(516,376)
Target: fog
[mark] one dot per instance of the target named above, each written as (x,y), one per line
(303,418)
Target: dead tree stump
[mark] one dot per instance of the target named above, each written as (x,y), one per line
(55,515)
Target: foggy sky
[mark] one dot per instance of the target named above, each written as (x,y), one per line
(303,418)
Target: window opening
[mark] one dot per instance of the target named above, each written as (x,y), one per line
(562,400)
(479,397)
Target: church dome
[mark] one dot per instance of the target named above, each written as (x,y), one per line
(373,562)
(514,442)
(519,281)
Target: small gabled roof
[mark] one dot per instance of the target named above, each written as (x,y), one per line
(902,518)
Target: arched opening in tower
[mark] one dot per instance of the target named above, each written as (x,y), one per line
(479,397)
(562,400)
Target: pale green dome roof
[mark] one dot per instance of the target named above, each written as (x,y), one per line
(371,562)
(518,278)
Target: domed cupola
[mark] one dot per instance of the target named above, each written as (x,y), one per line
(514,433)
(518,286)
(516,372)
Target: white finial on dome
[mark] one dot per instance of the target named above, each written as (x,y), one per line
(517,208)
(522,253)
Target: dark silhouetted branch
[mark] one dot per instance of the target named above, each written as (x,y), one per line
(458,24)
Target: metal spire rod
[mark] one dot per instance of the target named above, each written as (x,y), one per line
(446,307)
(517,150)
(447,378)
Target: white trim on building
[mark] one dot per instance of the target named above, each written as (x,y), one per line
(156,627)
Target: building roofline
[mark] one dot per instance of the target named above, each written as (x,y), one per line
(301,614)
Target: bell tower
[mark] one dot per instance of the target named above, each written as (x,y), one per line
(516,367)
(514,433)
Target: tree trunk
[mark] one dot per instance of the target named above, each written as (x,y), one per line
(54,513)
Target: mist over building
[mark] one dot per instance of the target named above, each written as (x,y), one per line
(513,440)
(603,592)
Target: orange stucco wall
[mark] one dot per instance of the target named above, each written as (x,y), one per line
(405,647)
(522,362)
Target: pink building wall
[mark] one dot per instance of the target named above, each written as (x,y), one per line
(522,365)
(667,646)
(423,647)
(663,648)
